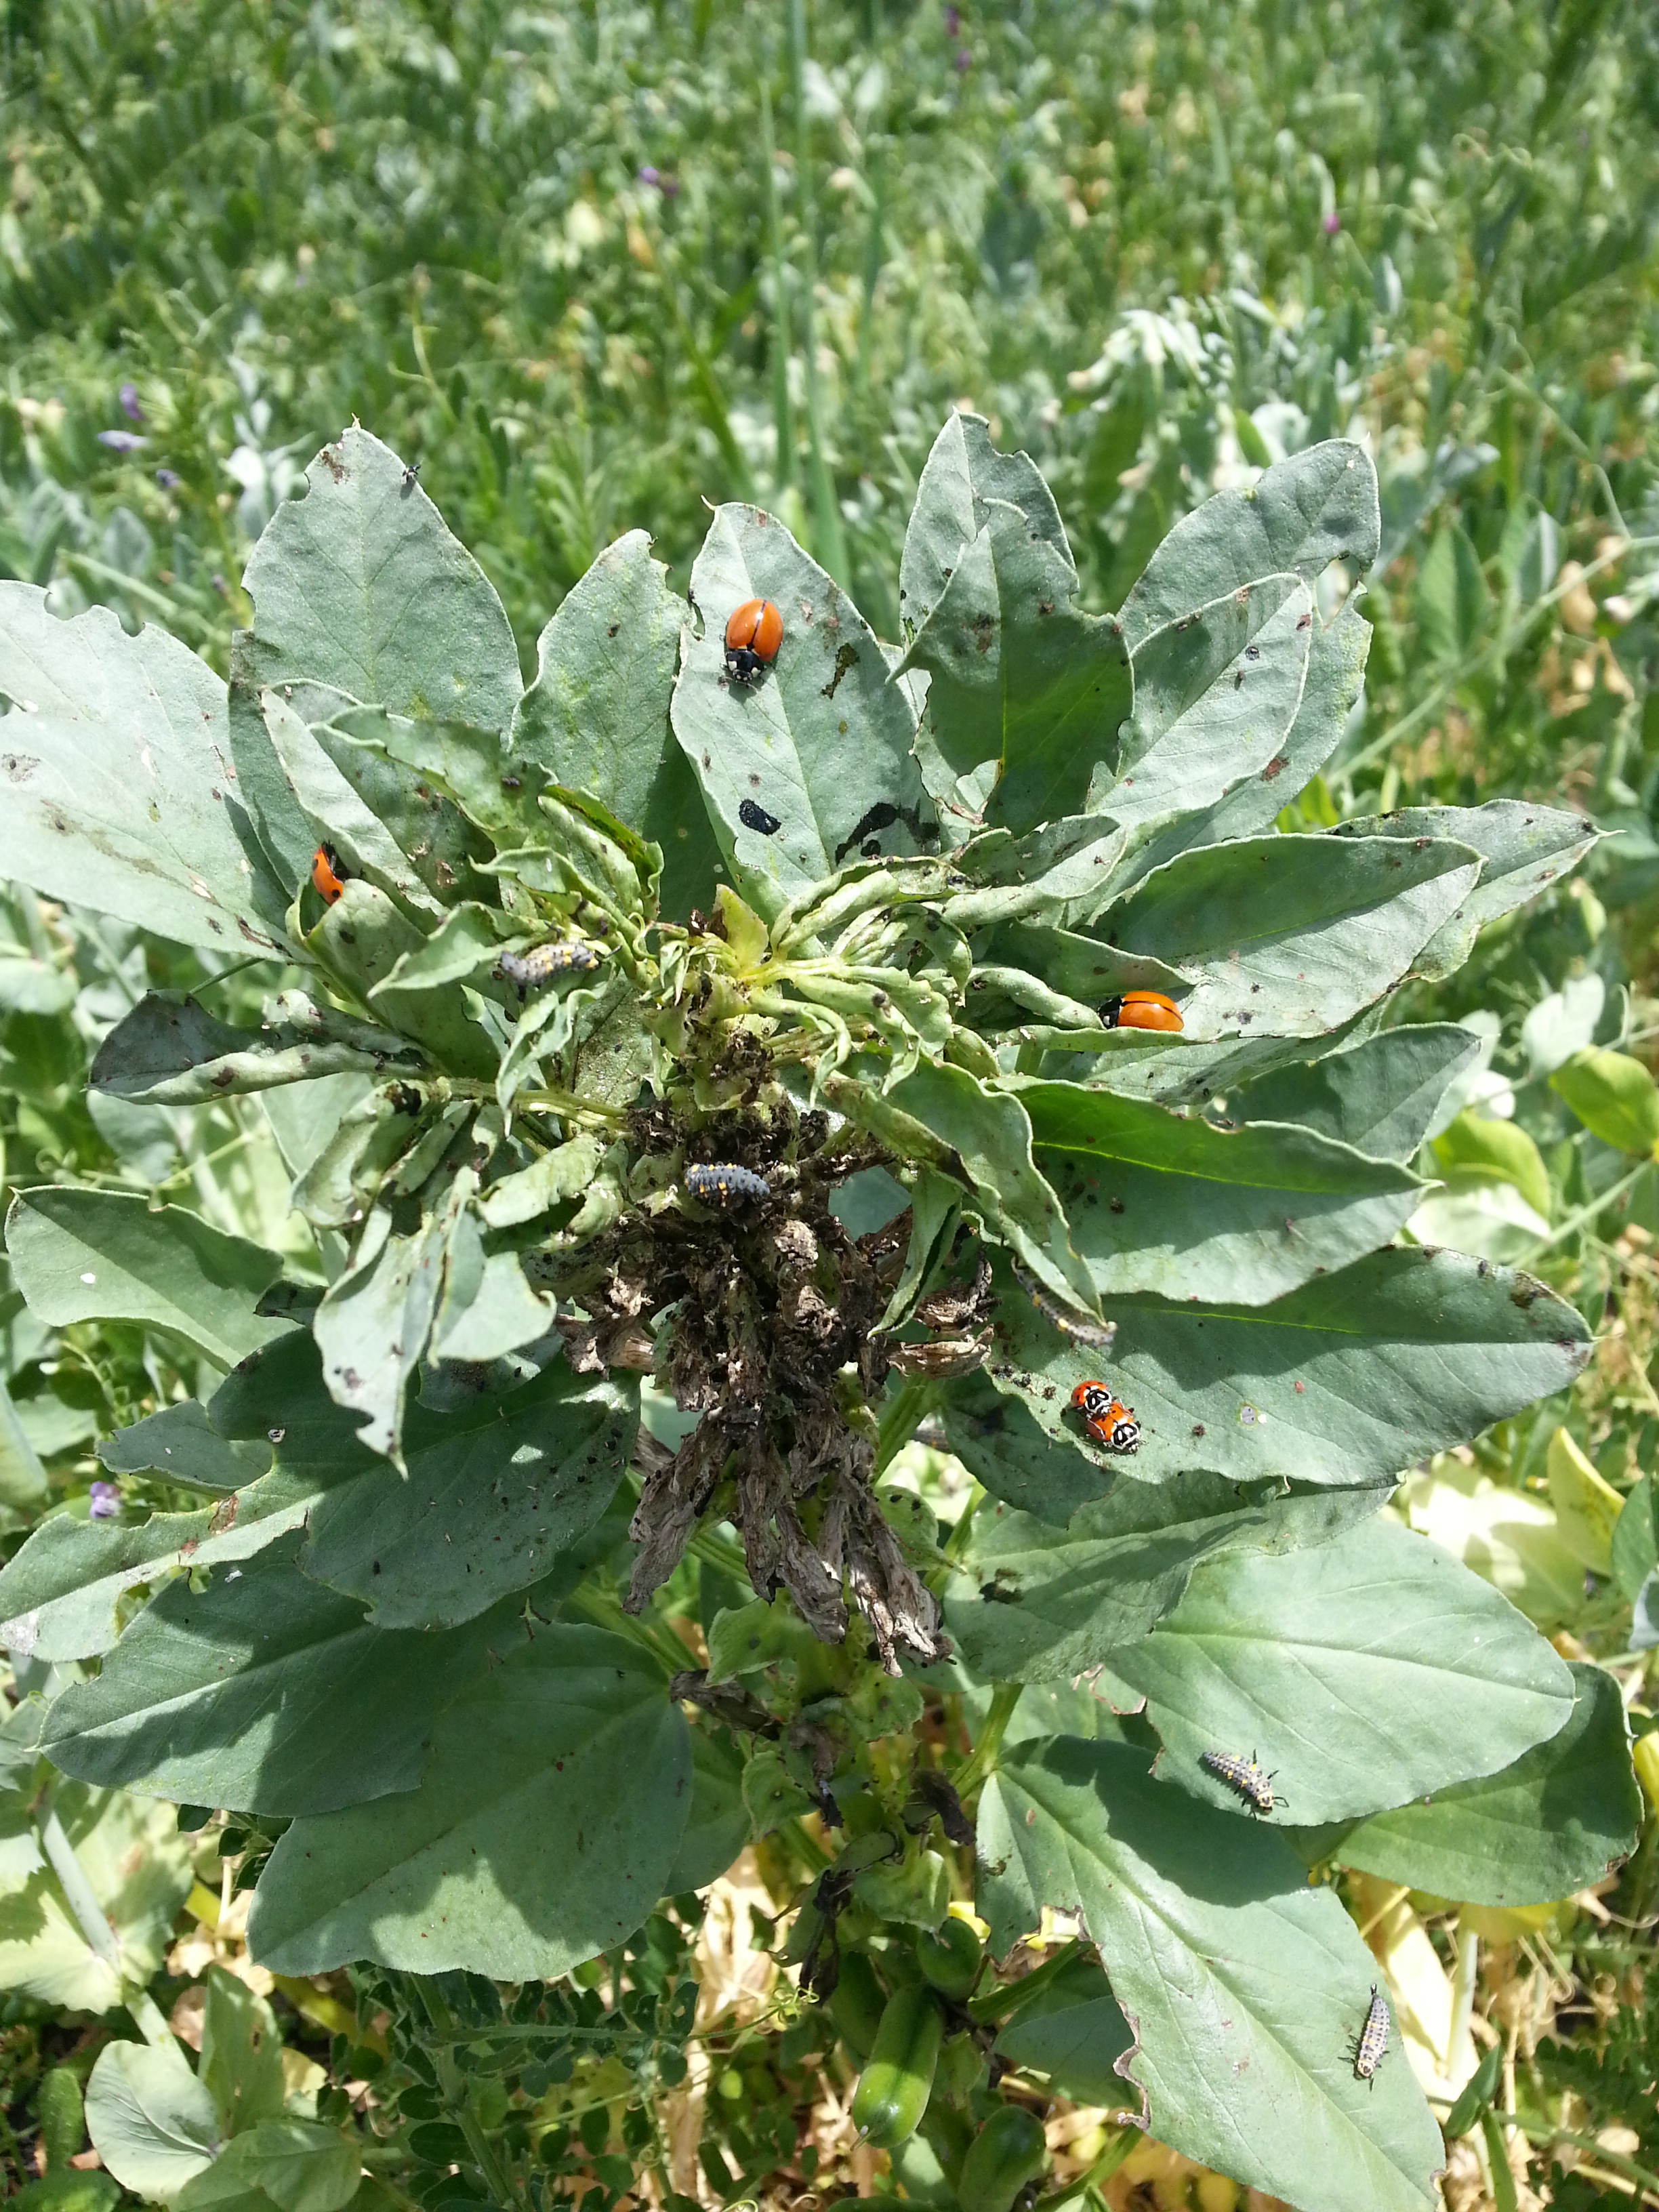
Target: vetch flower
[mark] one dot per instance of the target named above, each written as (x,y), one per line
(1332,223)
(169,479)
(122,441)
(130,407)
(105,1503)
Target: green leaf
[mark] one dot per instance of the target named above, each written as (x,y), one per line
(1453,601)
(997,1438)
(1477,1145)
(151,2121)
(241,2051)
(295,2165)
(265,1691)
(819,745)
(1556,1821)
(1525,848)
(1026,693)
(1035,1603)
(117,791)
(1382,1095)
(497,1492)
(488,1308)
(1371,1670)
(717,1826)
(1479,2090)
(596,718)
(1347,1380)
(59,1593)
(557,1175)
(336,813)
(982,1139)
(171,1051)
(1634,1550)
(546,1826)
(1336,670)
(359,586)
(136,1867)
(1316,507)
(1614,1096)
(373,1321)
(1291,936)
(1181,1208)
(1244,1985)
(180,1444)
(1216,695)
(101,1256)
(361,939)
(1073,2031)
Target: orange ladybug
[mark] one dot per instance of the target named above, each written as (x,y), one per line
(1141,1010)
(328,878)
(753,638)
(1110,1422)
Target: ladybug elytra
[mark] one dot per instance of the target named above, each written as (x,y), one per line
(1108,1421)
(753,634)
(328,878)
(1141,1010)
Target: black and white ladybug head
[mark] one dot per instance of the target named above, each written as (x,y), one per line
(1126,1434)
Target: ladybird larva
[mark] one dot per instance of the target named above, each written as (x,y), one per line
(1372,2041)
(544,962)
(723,1183)
(1244,1775)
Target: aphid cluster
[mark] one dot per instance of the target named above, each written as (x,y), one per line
(1110,1422)
(1372,2040)
(544,962)
(1244,1775)
(1141,1010)
(726,1184)
(753,634)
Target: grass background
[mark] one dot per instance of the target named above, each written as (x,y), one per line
(594,266)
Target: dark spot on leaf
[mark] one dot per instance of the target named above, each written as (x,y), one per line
(756,817)
(847,657)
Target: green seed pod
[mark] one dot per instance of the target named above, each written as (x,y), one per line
(1007,2151)
(893,2087)
(950,1957)
(63,2119)
(856,2006)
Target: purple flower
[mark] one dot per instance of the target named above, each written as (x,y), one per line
(130,407)
(105,1503)
(964,61)
(670,188)
(952,21)
(1333,223)
(168,479)
(122,441)
(647,175)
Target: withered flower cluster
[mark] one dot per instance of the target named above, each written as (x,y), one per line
(768,1301)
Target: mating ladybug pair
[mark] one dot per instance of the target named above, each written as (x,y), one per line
(1108,1421)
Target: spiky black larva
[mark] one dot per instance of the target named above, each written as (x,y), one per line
(1372,2041)
(723,1183)
(1244,1775)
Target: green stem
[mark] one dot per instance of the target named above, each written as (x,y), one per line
(898,1421)
(981,1759)
(452,2083)
(1603,2156)
(1119,2143)
(782,413)
(93,1924)
(1577,1220)
(829,543)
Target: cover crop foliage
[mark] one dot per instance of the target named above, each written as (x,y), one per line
(846,932)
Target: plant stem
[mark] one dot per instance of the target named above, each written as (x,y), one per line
(782,413)
(1575,1220)
(981,1759)
(898,1420)
(829,541)
(93,1924)
(453,2084)
(1640,2174)
(1468,1954)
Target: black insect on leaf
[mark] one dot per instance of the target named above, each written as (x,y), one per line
(757,819)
